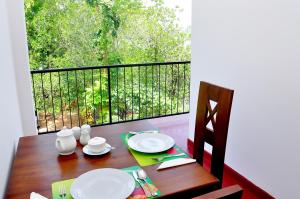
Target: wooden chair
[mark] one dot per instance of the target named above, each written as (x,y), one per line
(218,117)
(232,192)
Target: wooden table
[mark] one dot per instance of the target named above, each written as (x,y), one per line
(37,165)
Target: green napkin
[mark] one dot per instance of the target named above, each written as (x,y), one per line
(145,159)
(137,193)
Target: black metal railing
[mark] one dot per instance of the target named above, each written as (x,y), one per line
(104,95)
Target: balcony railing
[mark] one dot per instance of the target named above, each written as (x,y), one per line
(104,95)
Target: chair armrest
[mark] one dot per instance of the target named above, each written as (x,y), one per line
(231,192)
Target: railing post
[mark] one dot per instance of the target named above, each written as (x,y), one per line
(43,104)
(109,95)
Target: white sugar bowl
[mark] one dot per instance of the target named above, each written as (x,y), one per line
(86,127)
(65,142)
(84,137)
(76,132)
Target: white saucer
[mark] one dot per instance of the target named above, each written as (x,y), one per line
(104,151)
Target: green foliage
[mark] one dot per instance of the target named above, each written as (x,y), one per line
(78,33)
(69,33)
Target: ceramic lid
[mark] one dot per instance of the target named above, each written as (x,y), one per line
(84,131)
(76,128)
(64,133)
(96,141)
(85,126)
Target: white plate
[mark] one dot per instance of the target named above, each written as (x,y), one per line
(103,184)
(86,150)
(151,142)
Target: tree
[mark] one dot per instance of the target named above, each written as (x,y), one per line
(79,33)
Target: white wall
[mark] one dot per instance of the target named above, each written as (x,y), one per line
(10,123)
(16,112)
(253,47)
(17,29)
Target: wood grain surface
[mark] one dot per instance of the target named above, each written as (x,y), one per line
(37,165)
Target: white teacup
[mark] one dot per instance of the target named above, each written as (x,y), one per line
(96,144)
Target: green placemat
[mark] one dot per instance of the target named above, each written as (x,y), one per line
(145,159)
(64,183)
(137,193)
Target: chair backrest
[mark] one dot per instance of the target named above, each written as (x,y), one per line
(212,125)
(232,192)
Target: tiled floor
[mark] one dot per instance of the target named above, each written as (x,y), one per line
(181,123)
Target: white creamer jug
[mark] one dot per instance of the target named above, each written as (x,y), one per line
(65,142)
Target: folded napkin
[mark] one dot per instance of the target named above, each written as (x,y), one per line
(175,162)
(34,195)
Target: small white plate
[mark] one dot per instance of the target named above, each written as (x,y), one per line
(104,151)
(151,142)
(103,184)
